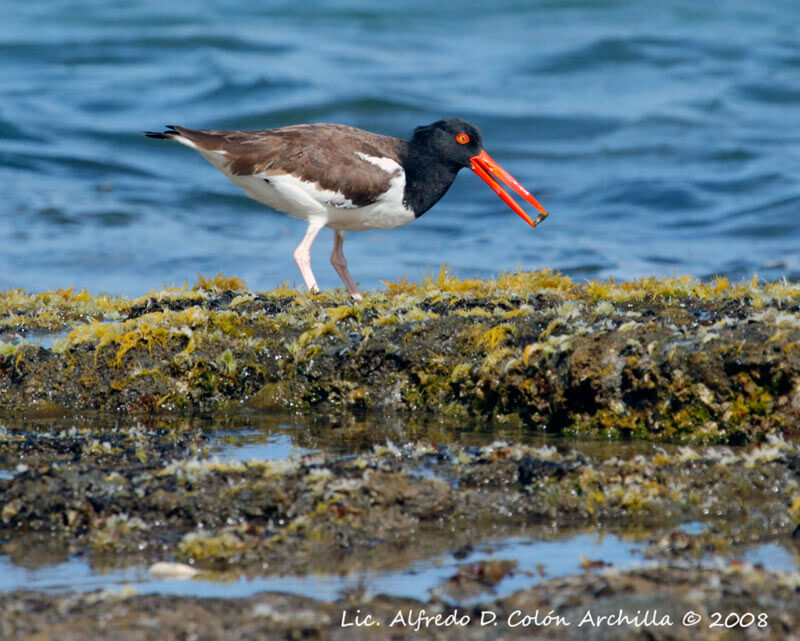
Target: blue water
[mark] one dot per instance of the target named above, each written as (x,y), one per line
(663,137)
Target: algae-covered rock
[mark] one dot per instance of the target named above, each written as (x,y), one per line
(666,358)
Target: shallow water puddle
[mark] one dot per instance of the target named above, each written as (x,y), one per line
(536,561)
(772,556)
(39,338)
(250,445)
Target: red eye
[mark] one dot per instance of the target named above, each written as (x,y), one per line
(462,139)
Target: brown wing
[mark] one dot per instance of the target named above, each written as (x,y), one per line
(324,154)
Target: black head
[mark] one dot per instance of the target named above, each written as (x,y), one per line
(452,140)
(436,154)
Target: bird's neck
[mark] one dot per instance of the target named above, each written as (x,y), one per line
(427,179)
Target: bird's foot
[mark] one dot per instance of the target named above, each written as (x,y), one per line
(356,296)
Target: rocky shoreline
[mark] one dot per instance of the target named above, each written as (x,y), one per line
(109,405)
(670,359)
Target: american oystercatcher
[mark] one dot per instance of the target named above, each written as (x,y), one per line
(349,179)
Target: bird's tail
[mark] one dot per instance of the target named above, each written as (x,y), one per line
(163,135)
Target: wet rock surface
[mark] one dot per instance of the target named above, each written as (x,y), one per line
(330,513)
(377,507)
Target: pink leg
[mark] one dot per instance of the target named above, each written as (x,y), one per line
(302,255)
(340,265)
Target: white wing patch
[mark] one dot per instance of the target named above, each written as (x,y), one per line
(387,164)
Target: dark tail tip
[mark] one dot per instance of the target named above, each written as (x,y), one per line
(162,135)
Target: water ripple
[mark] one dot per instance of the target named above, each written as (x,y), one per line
(658,135)
(616,52)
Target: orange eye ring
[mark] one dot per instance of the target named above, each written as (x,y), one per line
(462,139)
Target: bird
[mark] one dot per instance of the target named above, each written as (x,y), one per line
(349,179)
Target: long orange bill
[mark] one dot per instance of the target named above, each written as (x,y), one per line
(485,167)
